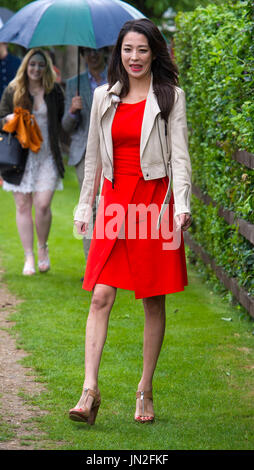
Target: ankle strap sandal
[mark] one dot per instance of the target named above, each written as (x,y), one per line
(145,415)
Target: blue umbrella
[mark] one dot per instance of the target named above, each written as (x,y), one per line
(5,15)
(89,23)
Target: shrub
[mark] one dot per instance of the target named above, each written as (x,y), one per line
(215,55)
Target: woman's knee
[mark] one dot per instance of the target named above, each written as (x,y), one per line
(42,208)
(103,298)
(155,304)
(42,202)
(23,203)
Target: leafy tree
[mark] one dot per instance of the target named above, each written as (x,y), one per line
(153,9)
(13,5)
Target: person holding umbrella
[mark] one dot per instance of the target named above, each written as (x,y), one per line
(78,103)
(34,89)
(137,138)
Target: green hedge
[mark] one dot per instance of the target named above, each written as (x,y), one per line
(214,52)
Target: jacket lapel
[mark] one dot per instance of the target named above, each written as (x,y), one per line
(152,109)
(107,115)
(109,97)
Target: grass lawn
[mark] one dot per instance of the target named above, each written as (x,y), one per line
(204,381)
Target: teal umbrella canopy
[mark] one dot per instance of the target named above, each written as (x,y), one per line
(89,23)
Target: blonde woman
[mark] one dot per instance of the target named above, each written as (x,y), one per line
(34,88)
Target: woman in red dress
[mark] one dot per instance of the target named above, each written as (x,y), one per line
(137,140)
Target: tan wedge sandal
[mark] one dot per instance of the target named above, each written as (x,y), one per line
(144,416)
(87,408)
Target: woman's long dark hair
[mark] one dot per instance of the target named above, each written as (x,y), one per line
(165,73)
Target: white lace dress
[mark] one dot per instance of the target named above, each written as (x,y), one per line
(41,172)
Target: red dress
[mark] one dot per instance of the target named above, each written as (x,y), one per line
(127,250)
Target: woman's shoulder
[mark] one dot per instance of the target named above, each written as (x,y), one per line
(56,92)
(9,90)
(179,95)
(6,103)
(179,91)
(100,96)
(7,96)
(101,91)
(57,88)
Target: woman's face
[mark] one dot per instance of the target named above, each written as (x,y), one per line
(36,67)
(136,55)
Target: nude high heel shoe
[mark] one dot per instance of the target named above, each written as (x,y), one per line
(144,416)
(87,408)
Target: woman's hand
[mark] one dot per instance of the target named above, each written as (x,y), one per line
(81,227)
(9,117)
(183,221)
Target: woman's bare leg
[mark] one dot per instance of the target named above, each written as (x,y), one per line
(43,217)
(96,331)
(154,330)
(24,220)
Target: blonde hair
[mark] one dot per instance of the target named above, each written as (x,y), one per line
(21,81)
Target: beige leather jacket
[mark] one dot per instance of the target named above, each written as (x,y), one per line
(163,149)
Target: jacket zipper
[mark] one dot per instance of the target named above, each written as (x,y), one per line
(162,146)
(166,135)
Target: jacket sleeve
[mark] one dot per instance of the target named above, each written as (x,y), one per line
(93,167)
(180,159)
(69,123)
(6,105)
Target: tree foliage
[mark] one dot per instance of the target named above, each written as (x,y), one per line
(13,5)
(153,9)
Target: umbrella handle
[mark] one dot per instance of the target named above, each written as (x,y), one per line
(78,75)
(78,113)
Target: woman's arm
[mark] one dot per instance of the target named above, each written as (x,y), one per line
(93,169)
(6,106)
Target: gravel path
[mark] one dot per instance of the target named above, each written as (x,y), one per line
(14,378)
